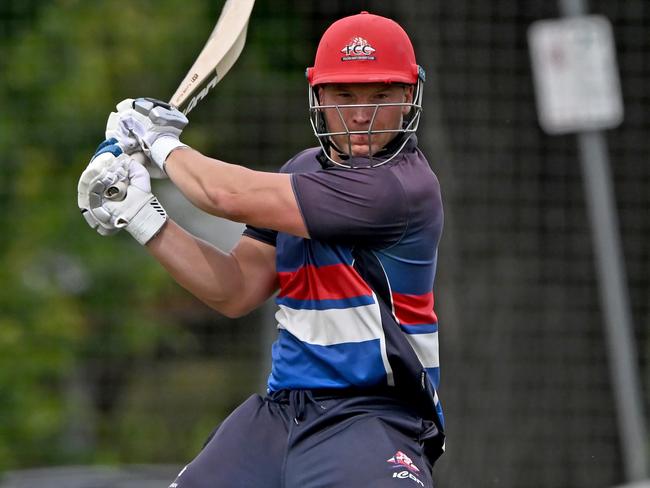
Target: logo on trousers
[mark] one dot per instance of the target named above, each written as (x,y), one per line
(401,459)
(406,475)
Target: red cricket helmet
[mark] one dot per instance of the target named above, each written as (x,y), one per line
(365,48)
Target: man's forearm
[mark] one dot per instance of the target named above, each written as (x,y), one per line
(258,198)
(206,182)
(208,273)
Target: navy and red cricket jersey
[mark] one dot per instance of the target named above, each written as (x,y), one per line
(352,393)
(356,302)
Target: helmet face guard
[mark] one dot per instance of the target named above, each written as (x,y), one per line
(364,48)
(408,127)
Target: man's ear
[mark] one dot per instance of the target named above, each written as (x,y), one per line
(408,93)
(408,98)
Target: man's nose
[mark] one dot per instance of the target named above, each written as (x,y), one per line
(363,115)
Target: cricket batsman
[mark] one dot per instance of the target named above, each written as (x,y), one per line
(347,235)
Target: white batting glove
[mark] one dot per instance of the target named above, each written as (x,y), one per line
(115,192)
(148,126)
(104,157)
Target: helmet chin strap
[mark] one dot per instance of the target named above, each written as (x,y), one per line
(339,152)
(342,155)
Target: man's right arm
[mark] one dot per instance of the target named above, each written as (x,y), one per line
(232,283)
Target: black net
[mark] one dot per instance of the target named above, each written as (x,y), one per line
(525,374)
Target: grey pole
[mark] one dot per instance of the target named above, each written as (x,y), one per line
(614,296)
(613,290)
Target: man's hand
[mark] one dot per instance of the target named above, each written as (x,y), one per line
(104,157)
(134,208)
(147,126)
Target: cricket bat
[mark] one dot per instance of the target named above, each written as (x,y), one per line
(219,54)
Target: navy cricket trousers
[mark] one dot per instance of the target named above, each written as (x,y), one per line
(306,439)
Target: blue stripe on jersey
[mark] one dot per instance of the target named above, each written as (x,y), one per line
(412,277)
(295,252)
(327,304)
(419,328)
(434,376)
(301,365)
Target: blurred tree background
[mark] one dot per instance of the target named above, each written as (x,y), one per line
(100,353)
(104,360)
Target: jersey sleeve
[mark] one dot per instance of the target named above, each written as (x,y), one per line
(268,236)
(363,205)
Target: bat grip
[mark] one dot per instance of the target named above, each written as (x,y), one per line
(117,191)
(139,157)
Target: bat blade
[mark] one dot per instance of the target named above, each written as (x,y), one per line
(219,54)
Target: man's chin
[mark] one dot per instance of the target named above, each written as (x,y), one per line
(359,150)
(362,150)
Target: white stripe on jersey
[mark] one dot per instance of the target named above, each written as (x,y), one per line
(332,326)
(337,326)
(426,348)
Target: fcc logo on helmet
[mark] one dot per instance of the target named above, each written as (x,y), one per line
(358,49)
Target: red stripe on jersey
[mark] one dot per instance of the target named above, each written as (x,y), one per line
(322,283)
(414,309)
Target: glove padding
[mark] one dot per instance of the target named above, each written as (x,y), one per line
(147,126)
(104,157)
(135,209)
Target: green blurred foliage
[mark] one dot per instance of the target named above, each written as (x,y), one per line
(69,297)
(97,362)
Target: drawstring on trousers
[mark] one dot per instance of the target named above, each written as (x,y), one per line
(297,400)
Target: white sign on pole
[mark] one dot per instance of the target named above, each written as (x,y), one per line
(575,73)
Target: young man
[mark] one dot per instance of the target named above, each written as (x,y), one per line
(346,233)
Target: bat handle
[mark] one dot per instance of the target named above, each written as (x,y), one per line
(117,191)
(139,157)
